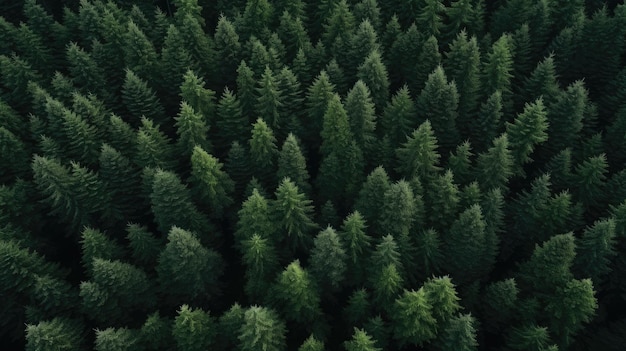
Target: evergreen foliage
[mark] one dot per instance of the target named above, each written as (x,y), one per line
(301,175)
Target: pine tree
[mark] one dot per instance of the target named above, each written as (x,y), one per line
(13,154)
(589,180)
(498,71)
(263,151)
(229,325)
(328,260)
(438,103)
(542,82)
(293,214)
(501,298)
(231,123)
(318,95)
(528,130)
(145,248)
(269,100)
(484,128)
(16,74)
(595,249)
(371,198)
(398,118)
(212,184)
(311,344)
(121,136)
(386,283)
(374,74)
(228,49)
(256,17)
(261,260)
(191,129)
(85,72)
(56,334)
(139,53)
(120,178)
(201,99)
(140,100)
(194,329)
(412,320)
(361,341)
(292,164)
(357,245)
(529,337)
(186,269)
(570,307)
(494,167)
(255,218)
(466,245)
(176,60)
(361,115)
(122,339)
(428,60)
(262,329)
(293,33)
(462,65)
(116,291)
(442,200)
(154,148)
(418,157)
(293,98)
(550,263)
(171,205)
(460,334)
(335,133)
(364,41)
(460,162)
(295,294)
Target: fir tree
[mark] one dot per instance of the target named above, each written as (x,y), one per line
(328,259)
(595,249)
(374,74)
(361,115)
(194,329)
(191,129)
(261,329)
(228,49)
(398,118)
(269,100)
(466,245)
(263,151)
(361,341)
(140,100)
(139,53)
(201,99)
(186,269)
(295,294)
(442,200)
(438,103)
(153,147)
(56,334)
(212,184)
(261,260)
(255,218)
(494,167)
(292,164)
(145,248)
(528,130)
(293,213)
(357,245)
(121,339)
(413,322)
(231,123)
(418,157)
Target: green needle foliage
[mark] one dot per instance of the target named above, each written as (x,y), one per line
(355,175)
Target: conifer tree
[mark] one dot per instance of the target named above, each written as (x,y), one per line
(121,136)
(566,114)
(438,103)
(85,72)
(328,260)
(269,100)
(589,179)
(357,245)
(201,99)
(484,128)
(16,74)
(172,206)
(494,167)
(115,291)
(374,74)
(462,64)
(255,218)
(261,260)
(120,179)
(292,93)
(318,95)
(428,60)
(529,337)
(139,53)
(371,197)
(191,130)
(13,154)
(145,248)
(430,17)
(140,100)
(442,201)
(398,118)
(228,49)
(154,148)
(263,151)
(122,339)
(542,82)
(295,294)
(361,341)
(412,320)
(498,70)
(460,162)
(194,329)
(293,213)
(186,269)
(528,130)
(550,263)
(364,41)
(595,249)
(466,245)
(261,329)
(56,334)
(361,115)
(176,60)
(96,245)
(418,157)
(231,123)
(292,164)
(212,184)
(460,334)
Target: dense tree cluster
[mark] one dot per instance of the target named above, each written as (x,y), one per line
(276,175)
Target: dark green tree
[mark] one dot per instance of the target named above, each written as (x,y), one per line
(194,329)
(262,329)
(261,260)
(460,334)
(442,201)
(361,341)
(140,55)
(412,320)
(374,74)
(399,117)
(210,182)
(186,269)
(191,130)
(228,47)
(295,294)
(269,100)
(154,147)
(140,100)
(438,103)
(494,167)
(357,245)
(361,115)
(528,130)
(263,151)
(292,212)
(201,99)
(122,339)
(292,164)
(171,206)
(255,218)
(328,260)
(231,123)
(56,334)
(418,157)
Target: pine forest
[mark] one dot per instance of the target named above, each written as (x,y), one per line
(273,175)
